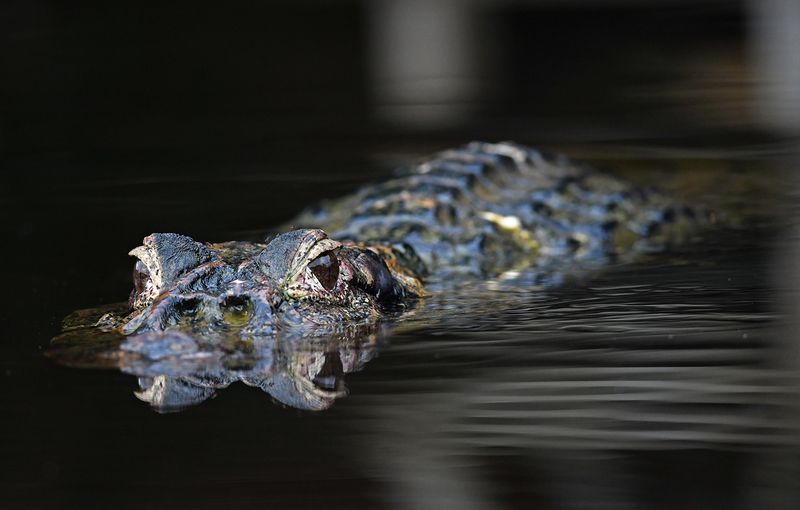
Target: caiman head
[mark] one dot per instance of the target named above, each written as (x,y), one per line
(300,282)
(290,316)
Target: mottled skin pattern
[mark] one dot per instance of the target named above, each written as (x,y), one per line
(489,208)
(484,211)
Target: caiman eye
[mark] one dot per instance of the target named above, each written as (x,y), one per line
(326,269)
(141,275)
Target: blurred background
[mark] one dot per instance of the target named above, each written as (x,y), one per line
(191,80)
(223,120)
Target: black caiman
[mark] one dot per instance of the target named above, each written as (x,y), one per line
(292,314)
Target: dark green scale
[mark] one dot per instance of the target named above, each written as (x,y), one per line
(489,208)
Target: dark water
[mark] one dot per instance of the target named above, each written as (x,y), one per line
(667,383)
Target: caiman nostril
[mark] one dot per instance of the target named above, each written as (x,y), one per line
(237,310)
(188,307)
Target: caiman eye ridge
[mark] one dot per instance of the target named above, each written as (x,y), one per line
(326,269)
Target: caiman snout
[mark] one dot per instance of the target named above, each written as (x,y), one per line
(251,311)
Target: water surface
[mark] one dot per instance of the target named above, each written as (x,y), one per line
(668,382)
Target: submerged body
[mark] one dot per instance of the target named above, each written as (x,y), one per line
(484,211)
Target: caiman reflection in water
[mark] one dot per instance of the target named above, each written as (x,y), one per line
(293,314)
(177,370)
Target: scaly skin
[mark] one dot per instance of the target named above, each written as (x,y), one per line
(487,208)
(481,211)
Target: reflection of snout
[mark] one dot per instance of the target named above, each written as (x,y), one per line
(168,394)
